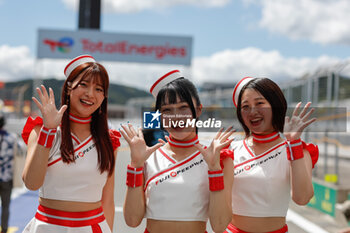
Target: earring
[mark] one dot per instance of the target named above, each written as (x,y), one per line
(100,110)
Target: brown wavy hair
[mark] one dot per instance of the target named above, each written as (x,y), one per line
(98,125)
(273,94)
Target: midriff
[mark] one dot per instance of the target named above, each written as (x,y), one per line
(161,226)
(258,224)
(70,206)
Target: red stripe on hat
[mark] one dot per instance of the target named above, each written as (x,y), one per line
(161,78)
(234,91)
(76,60)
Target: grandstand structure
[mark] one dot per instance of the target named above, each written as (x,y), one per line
(327,86)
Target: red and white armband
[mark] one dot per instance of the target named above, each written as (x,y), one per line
(134,176)
(46,136)
(295,150)
(216,180)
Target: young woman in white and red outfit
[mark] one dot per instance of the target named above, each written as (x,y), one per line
(271,164)
(71,155)
(178,185)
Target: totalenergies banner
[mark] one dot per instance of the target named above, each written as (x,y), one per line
(121,47)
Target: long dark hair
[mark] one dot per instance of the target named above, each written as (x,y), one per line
(98,125)
(273,94)
(182,88)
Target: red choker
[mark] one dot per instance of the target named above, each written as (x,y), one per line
(81,120)
(183,144)
(265,138)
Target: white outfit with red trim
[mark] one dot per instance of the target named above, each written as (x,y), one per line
(261,186)
(79,181)
(176,191)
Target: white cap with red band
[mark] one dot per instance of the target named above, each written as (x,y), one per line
(164,80)
(238,89)
(75,62)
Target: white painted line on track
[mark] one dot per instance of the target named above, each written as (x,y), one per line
(16,192)
(303,223)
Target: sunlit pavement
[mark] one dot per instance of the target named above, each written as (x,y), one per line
(22,209)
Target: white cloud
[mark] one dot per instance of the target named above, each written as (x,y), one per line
(15,63)
(321,21)
(131,6)
(139,75)
(71,4)
(226,66)
(232,65)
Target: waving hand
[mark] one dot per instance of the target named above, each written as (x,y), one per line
(139,150)
(211,154)
(51,116)
(294,126)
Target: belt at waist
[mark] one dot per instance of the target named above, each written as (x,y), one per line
(146,231)
(70,219)
(233,229)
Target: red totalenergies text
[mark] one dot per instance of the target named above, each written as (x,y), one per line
(123,47)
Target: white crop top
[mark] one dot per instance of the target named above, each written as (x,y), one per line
(261,186)
(79,181)
(176,191)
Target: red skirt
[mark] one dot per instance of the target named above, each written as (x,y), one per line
(146,231)
(51,220)
(232,229)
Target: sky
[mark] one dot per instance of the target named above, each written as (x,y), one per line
(279,39)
